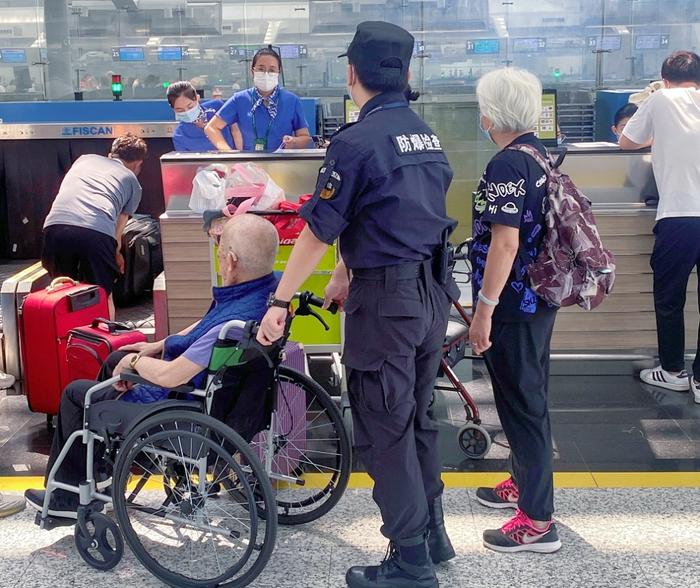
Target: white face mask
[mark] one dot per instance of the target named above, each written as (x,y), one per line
(265,82)
(190,115)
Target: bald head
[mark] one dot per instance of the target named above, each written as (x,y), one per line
(253,241)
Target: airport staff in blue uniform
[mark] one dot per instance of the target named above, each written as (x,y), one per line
(268,116)
(193,116)
(381,192)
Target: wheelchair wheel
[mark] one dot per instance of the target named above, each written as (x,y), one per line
(190,511)
(100,544)
(474,441)
(306,450)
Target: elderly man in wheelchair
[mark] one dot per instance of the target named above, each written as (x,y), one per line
(192,480)
(247,253)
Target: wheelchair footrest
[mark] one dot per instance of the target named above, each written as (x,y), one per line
(51,523)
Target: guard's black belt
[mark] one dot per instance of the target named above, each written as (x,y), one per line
(401,271)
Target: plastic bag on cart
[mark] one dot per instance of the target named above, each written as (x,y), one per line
(289,226)
(247,182)
(207,189)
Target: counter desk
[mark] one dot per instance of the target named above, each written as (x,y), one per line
(618,183)
(622,189)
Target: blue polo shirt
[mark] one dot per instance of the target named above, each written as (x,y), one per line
(190,137)
(290,118)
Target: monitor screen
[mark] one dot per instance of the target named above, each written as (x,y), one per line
(170,54)
(484,47)
(289,51)
(131,54)
(529,45)
(546,128)
(240,52)
(642,42)
(13,55)
(610,43)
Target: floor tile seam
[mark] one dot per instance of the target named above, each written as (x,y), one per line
(17,431)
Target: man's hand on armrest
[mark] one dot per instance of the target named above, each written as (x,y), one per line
(167,374)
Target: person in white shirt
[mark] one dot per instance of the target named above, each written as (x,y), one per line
(669,121)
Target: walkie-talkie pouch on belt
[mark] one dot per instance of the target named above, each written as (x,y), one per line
(443,261)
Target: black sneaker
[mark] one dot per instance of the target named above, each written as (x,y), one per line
(520,534)
(504,495)
(63,505)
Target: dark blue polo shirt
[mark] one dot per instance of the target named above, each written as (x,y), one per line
(191,137)
(512,192)
(381,189)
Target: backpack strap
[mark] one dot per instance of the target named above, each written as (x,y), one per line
(545,162)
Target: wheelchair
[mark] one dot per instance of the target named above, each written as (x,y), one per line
(473,439)
(197,502)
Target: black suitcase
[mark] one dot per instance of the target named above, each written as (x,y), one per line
(143,259)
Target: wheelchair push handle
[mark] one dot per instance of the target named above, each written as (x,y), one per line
(306,301)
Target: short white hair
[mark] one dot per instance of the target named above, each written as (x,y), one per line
(511,98)
(253,240)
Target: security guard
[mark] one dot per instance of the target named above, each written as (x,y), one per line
(381,192)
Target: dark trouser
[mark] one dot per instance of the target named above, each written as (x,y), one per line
(82,254)
(394,330)
(676,254)
(518,362)
(70,419)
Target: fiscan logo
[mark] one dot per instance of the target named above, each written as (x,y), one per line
(93,131)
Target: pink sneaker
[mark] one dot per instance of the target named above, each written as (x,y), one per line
(505,495)
(520,534)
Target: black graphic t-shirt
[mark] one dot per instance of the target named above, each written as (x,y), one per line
(512,192)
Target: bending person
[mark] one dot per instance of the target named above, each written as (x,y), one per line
(83,231)
(246,255)
(512,327)
(268,116)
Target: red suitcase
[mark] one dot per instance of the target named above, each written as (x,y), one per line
(46,317)
(88,347)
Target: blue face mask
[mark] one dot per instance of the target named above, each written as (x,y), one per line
(486,132)
(190,115)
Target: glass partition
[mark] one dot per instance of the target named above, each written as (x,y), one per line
(50,49)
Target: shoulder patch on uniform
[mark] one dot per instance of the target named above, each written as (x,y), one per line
(329,182)
(410,143)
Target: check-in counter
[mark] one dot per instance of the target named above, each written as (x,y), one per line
(188,256)
(622,188)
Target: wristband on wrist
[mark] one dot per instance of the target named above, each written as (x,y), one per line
(487,301)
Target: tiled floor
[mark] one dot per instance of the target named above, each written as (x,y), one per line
(611,539)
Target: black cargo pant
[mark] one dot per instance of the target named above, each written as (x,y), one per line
(70,419)
(518,363)
(676,255)
(396,319)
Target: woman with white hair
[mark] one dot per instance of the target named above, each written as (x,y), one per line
(512,326)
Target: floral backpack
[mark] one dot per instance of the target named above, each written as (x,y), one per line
(573,266)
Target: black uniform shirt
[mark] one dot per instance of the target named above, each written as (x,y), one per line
(381,189)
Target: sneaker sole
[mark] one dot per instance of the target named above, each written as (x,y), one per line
(499,505)
(667,385)
(61,514)
(549,547)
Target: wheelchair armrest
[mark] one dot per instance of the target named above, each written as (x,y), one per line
(133,378)
(184,389)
